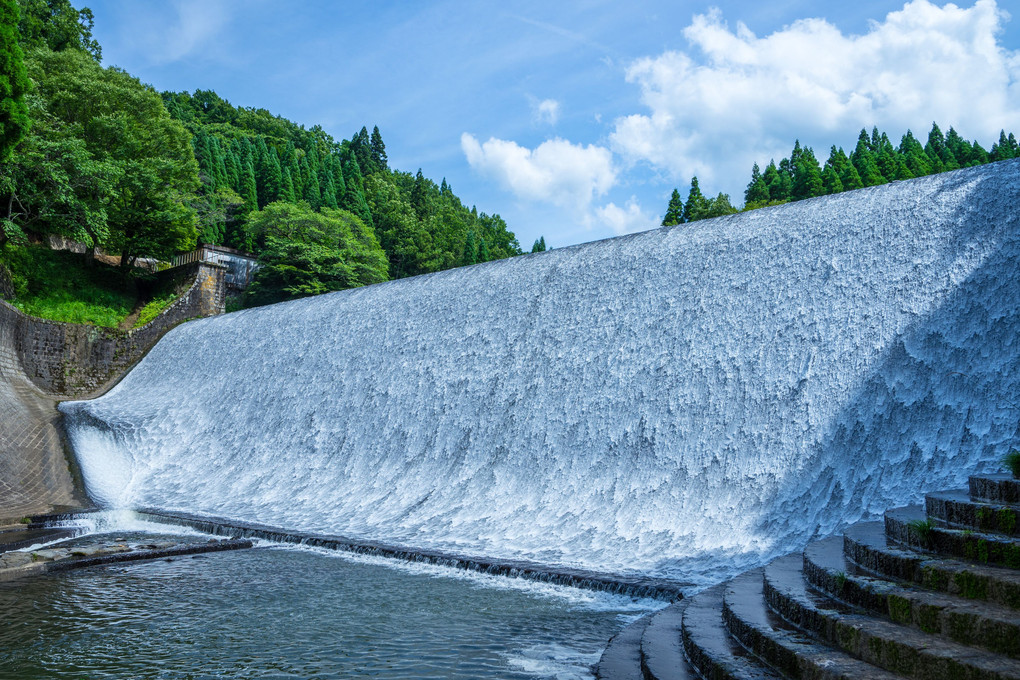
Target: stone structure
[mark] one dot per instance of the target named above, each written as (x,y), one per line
(42,362)
(928,593)
(79,361)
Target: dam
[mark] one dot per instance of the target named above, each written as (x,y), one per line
(682,403)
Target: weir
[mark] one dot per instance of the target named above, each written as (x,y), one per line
(678,404)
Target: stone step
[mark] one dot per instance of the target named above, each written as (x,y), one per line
(782,646)
(898,649)
(710,649)
(662,654)
(622,658)
(867,546)
(957,510)
(902,526)
(981,624)
(1003,488)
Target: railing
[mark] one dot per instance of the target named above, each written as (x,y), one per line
(241,267)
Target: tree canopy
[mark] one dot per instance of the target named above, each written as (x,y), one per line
(307,252)
(874,160)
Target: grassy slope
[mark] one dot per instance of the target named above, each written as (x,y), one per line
(57,285)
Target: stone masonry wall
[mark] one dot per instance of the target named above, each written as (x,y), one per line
(75,361)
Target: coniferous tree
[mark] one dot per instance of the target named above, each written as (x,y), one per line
(757,191)
(696,204)
(941,157)
(774,183)
(539,246)
(249,191)
(378,150)
(288,187)
(864,161)
(850,178)
(807,176)
(831,182)
(483,250)
(419,196)
(674,211)
(913,155)
(470,255)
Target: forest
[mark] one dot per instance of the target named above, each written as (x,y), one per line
(874,160)
(90,153)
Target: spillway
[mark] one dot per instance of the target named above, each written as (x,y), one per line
(679,403)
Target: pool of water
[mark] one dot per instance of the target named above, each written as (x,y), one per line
(291,613)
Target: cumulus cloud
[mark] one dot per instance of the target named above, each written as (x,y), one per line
(546,111)
(627,219)
(556,171)
(737,98)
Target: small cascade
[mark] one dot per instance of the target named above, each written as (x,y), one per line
(682,403)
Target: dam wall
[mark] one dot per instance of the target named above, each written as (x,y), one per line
(43,361)
(680,403)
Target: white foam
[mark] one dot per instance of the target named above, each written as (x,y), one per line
(684,402)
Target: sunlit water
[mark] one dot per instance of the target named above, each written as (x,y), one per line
(683,403)
(285,613)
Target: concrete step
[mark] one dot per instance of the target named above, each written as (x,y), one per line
(980,624)
(1003,488)
(781,645)
(662,654)
(898,649)
(901,525)
(710,649)
(622,658)
(18,539)
(866,545)
(957,510)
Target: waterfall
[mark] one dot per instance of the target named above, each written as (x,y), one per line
(682,402)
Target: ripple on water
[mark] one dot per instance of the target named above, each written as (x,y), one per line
(273,613)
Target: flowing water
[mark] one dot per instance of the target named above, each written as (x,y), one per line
(272,613)
(680,403)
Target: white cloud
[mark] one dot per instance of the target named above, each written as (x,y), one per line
(745,99)
(556,171)
(626,220)
(546,111)
(177,30)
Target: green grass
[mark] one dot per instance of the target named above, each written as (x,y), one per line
(56,284)
(154,308)
(923,531)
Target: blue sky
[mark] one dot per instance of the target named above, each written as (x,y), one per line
(575,120)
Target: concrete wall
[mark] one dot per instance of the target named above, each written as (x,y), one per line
(42,361)
(74,361)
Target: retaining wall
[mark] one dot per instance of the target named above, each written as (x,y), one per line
(78,361)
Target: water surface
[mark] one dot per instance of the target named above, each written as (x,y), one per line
(282,613)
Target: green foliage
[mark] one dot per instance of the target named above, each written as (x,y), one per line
(159,302)
(874,160)
(923,530)
(539,245)
(303,252)
(56,285)
(14,84)
(696,205)
(104,164)
(1012,462)
(757,190)
(674,211)
(56,25)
